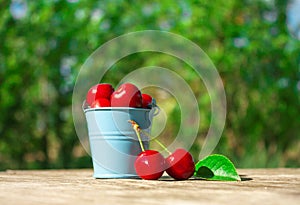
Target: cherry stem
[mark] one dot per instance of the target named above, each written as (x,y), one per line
(136,128)
(163,146)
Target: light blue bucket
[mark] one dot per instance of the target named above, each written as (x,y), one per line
(113,142)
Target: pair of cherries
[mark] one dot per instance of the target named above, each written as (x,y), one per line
(127,95)
(150,164)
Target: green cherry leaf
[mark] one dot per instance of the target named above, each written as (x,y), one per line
(216,167)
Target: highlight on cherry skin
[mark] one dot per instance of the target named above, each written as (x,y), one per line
(127,95)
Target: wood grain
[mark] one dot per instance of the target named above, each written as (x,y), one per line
(259,186)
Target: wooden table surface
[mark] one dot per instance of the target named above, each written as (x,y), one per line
(259,186)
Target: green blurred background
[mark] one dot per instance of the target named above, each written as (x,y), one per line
(44,43)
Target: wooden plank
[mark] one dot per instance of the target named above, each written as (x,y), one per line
(259,186)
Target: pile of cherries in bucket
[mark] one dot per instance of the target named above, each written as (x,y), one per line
(127,95)
(149,164)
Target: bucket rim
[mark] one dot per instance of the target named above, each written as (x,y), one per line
(115,109)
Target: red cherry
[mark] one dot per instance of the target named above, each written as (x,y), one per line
(180,165)
(150,165)
(100,102)
(103,90)
(147,100)
(127,95)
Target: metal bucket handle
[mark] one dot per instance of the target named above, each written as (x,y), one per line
(156,108)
